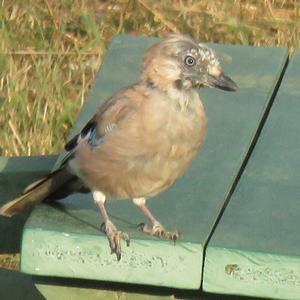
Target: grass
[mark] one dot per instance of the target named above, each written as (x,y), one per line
(50,52)
(48,64)
(10,261)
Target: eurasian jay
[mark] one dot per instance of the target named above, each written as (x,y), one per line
(141,140)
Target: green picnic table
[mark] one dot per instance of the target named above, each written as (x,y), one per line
(255,249)
(235,208)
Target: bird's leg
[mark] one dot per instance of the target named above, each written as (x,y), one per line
(157,228)
(114,236)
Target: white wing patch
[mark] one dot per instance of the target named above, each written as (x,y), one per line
(110,127)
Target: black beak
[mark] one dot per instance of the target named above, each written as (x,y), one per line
(222,82)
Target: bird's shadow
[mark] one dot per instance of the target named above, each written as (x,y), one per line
(74,215)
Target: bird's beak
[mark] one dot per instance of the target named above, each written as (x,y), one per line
(222,82)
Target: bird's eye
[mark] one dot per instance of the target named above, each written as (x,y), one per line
(189,61)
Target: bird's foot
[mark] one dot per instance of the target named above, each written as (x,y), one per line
(158,230)
(114,237)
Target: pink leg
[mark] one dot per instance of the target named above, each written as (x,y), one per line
(157,228)
(114,236)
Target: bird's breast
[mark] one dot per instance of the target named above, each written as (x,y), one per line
(148,152)
(174,123)
(173,135)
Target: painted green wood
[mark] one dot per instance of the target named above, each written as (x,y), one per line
(255,249)
(15,174)
(17,286)
(61,289)
(64,240)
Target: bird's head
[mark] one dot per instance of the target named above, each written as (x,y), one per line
(181,62)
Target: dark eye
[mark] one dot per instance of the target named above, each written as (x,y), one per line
(189,61)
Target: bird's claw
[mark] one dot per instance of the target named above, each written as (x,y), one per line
(114,237)
(159,231)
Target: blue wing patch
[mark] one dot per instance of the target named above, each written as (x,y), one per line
(89,133)
(94,140)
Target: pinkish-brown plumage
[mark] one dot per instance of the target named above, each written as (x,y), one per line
(154,142)
(142,139)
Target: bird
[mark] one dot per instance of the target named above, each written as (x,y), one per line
(141,140)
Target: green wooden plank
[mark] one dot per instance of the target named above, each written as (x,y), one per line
(16,286)
(61,289)
(88,290)
(255,249)
(64,240)
(15,174)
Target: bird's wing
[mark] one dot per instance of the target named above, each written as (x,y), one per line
(107,119)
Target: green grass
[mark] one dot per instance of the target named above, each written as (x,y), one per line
(51,51)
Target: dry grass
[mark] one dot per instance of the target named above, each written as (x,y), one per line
(10,261)
(51,51)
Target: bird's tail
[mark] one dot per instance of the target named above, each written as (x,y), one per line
(37,192)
